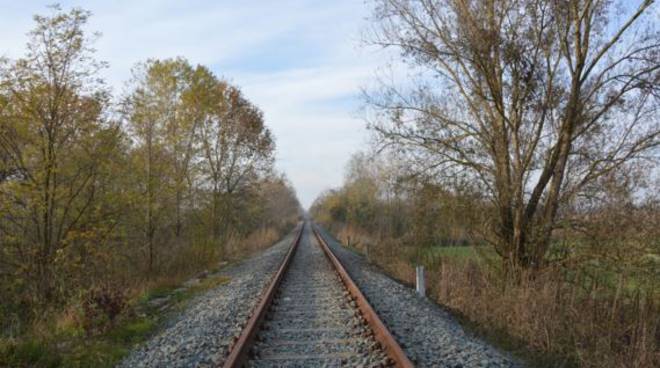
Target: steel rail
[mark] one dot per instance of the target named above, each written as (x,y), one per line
(238,352)
(381,333)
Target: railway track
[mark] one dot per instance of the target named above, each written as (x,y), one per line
(313,315)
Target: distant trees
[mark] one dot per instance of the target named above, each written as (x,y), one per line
(88,195)
(277,197)
(384,199)
(532,102)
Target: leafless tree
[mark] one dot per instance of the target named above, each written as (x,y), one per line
(533,100)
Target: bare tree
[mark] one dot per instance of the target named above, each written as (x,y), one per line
(532,100)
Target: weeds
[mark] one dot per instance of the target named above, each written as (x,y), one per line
(569,315)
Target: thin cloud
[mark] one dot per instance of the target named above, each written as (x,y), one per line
(298,60)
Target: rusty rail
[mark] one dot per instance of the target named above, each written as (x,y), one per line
(239,350)
(381,333)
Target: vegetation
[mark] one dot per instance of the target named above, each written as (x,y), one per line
(518,163)
(596,303)
(65,343)
(101,201)
(521,93)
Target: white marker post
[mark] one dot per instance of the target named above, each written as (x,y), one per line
(420,287)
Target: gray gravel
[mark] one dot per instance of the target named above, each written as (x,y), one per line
(429,335)
(201,335)
(312,321)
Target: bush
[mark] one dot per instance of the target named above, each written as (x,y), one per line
(101,306)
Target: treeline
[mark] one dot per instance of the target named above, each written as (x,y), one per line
(529,131)
(166,179)
(596,300)
(382,196)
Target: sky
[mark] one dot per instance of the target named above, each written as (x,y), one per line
(301,61)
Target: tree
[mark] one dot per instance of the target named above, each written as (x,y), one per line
(237,147)
(530,100)
(79,188)
(54,141)
(278,202)
(151,112)
(193,133)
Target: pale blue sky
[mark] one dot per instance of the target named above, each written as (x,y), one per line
(299,60)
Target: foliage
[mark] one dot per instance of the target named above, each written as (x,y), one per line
(100,199)
(56,144)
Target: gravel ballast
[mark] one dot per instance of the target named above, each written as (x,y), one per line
(312,321)
(429,335)
(200,336)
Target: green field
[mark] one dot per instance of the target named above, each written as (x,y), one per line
(430,256)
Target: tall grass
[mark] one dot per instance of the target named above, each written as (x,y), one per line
(564,316)
(573,322)
(238,247)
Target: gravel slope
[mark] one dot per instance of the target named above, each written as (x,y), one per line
(429,335)
(200,336)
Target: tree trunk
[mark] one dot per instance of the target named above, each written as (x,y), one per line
(178,225)
(150,200)
(215,216)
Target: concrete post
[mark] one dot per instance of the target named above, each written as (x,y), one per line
(420,287)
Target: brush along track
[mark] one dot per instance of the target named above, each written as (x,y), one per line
(312,321)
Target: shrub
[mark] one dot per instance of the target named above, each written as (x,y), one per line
(101,306)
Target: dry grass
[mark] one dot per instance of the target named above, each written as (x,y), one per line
(69,333)
(592,326)
(559,318)
(184,261)
(388,254)
(263,238)
(64,341)
(99,322)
